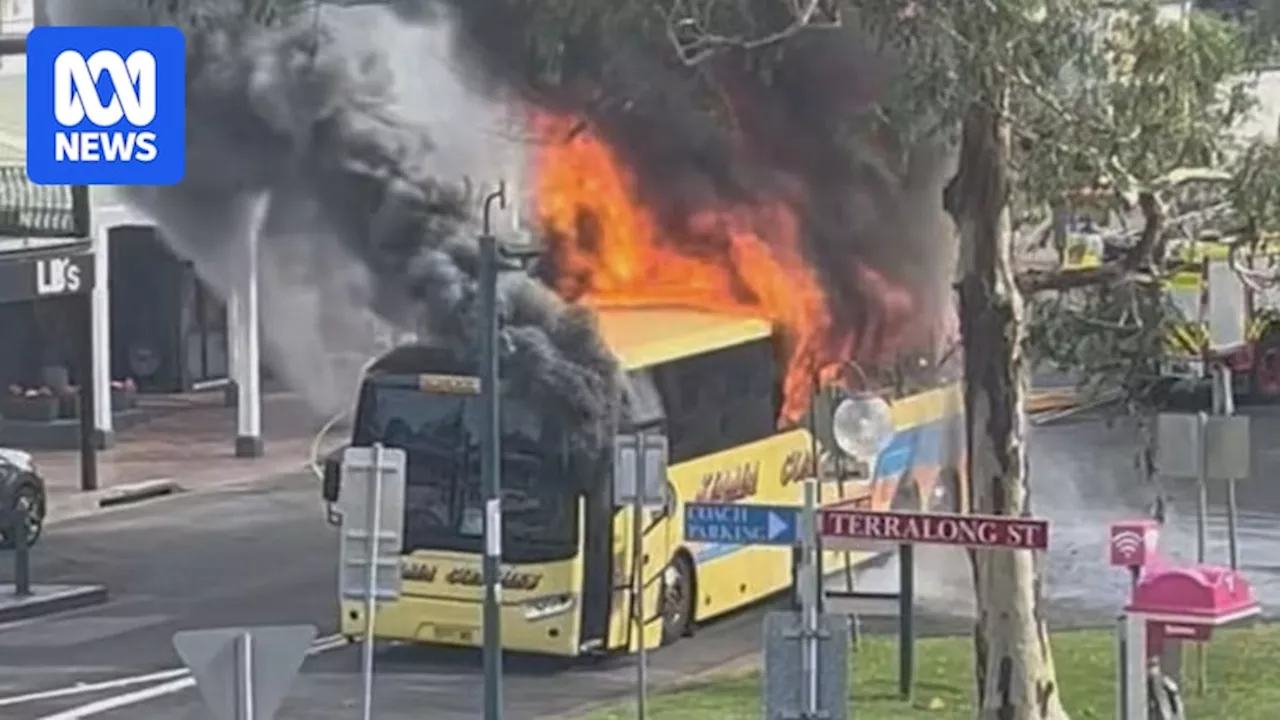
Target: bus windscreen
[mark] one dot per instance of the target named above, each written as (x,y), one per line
(444,508)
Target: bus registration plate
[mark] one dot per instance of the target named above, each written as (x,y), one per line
(453,633)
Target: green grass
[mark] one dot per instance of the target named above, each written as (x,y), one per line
(1241,663)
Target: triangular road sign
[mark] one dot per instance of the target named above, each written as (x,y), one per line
(214,659)
(209,654)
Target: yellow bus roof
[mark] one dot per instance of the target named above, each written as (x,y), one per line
(650,336)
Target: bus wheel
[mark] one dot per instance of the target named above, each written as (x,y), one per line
(677,599)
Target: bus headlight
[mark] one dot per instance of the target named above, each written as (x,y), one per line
(862,425)
(548,606)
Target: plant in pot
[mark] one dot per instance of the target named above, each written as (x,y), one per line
(124,395)
(69,402)
(31,404)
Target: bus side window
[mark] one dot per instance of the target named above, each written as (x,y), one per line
(719,400)
(754,404)
(644,403)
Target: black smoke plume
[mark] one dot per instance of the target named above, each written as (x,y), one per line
(288,106)
(802,122)
(291,110)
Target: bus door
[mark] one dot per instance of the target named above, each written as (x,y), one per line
(644,413)
(655,553)
(639,569)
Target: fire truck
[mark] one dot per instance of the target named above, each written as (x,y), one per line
(1228,312)
(1223,289)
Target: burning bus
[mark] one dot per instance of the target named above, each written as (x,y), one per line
(712,384)
(717,324)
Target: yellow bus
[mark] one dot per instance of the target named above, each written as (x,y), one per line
(712,383)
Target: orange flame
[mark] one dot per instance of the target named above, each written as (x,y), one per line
(610,250)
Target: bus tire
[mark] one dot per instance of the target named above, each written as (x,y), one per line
(678,595)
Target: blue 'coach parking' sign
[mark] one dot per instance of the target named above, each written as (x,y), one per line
(741,524)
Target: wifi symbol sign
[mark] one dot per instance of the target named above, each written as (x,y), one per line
(1126,543)
(1128,546)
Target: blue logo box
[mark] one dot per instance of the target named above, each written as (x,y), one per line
(106,105)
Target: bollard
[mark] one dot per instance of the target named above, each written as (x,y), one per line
(21,554)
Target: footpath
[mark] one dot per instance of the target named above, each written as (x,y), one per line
(185,445)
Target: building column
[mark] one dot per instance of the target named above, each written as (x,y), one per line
(104,429)
(231,393)
(248,443)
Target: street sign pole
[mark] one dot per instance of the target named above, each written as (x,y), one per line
(637,562)
(1202,488)
(371,578)
(1227,406)
(1212,446)
(490,461)
(246,707)
(799,645)
(1171,652)
(809,597)
(373,517)
(906,620)
(640,483)
(862,529)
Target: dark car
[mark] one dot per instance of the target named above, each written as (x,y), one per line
(21,496)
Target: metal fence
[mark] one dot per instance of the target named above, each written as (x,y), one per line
(41,211)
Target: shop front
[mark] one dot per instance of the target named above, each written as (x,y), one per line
(48,277)
(45,336)
(168,333)
(168,329)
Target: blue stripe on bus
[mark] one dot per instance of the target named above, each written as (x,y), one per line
(921,446)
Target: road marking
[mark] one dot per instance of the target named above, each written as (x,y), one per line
(85,688)
(178,679)
(119,701)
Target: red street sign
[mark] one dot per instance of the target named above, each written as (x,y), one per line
(973,531)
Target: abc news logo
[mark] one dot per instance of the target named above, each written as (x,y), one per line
(106,105)
(133,99)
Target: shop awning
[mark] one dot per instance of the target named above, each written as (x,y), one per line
(13,119)
(28,211)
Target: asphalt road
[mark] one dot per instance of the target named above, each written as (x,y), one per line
(262,555)
(1085,476)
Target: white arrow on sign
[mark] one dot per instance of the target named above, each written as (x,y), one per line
(777,525)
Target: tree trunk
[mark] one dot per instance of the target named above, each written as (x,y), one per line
(1013,662)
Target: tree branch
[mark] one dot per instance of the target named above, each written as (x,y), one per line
(1145,261)
(1139,264)
(694,42)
